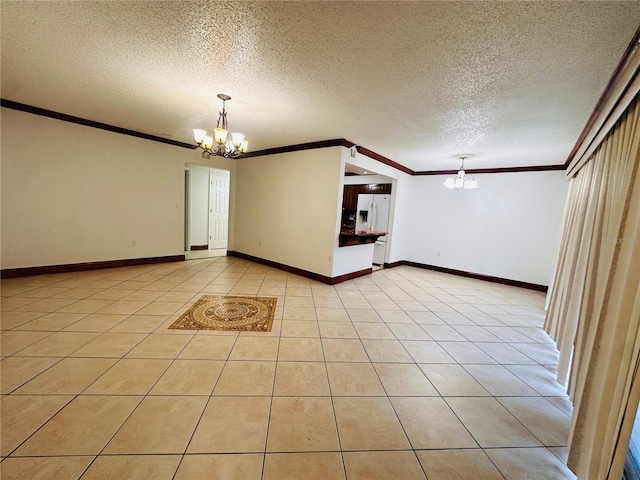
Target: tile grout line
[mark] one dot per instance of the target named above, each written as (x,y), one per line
(206,403)
(74,397)
(388,397)
(273,388)
(333,405)
(321,338)
(462,423)
(143,397)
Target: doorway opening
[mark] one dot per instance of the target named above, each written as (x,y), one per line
(206,211)
(367,206)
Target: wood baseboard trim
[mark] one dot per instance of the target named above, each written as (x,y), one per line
(80,267)
(299,271)
(199,247)
(477,276)
(351,276)
(367,271)
(393,264)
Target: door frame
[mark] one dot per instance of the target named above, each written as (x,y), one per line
(187,208)
(227,173)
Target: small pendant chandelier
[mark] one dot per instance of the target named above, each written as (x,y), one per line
(222,143)
(461,180)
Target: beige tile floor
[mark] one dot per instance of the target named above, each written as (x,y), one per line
(402,374)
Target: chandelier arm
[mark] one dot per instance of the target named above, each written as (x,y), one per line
(228,148)
(461,180)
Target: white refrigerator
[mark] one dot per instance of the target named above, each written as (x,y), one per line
(373,215)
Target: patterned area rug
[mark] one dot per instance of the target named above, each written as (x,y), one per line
(212,312)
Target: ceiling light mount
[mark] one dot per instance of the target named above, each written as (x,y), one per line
(226,145)
(461,180)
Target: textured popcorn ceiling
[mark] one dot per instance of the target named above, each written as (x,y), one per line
(513,82)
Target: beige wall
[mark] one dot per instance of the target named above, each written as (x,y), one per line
(286,207)
(74,194)
(510,227)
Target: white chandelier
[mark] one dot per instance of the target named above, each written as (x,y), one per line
(461,180)
(222,143)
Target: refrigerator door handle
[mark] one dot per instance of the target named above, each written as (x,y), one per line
(374,215)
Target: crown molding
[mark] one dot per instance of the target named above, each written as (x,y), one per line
(376,156)
(475,171)
(608,91)
(336,142)
(22,107)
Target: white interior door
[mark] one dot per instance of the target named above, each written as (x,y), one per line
(219,210)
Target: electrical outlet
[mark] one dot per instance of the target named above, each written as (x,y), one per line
(133,243)
(438,253)
(259,244)
(329,259)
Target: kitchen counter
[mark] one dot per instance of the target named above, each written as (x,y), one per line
(358,237)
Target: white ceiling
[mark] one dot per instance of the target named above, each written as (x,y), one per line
(418,82)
